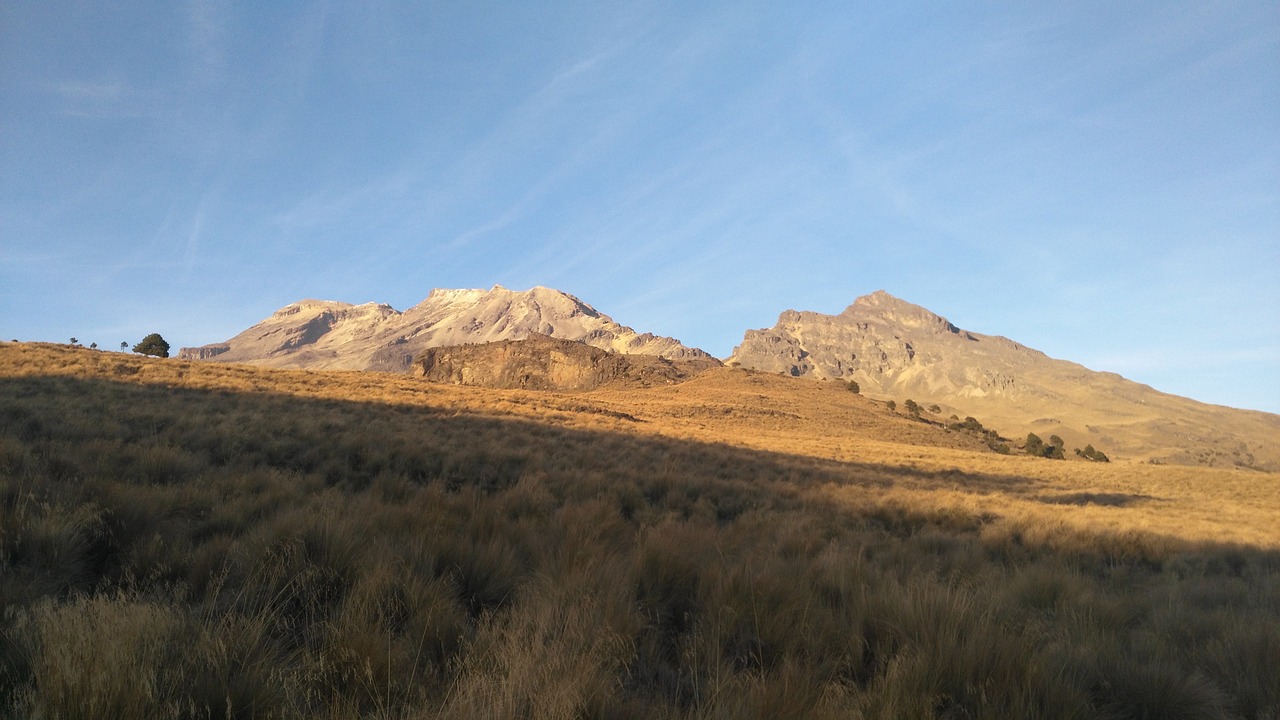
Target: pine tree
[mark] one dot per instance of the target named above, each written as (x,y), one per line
(153,345)
(912,407)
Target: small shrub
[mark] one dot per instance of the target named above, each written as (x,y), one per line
(970,424)
(1034,445)
(1089,453)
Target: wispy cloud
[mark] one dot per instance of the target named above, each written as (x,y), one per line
(196,232)
(89,90)
(471,193)
(466,238)
(1180,360)
(109,97)
(206,29)
(565,77)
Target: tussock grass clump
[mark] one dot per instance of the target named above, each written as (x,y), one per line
(176,551)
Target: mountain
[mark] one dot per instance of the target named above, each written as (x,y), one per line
(896,350)
(541,362)
(320,334)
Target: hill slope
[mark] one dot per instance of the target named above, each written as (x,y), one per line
(895,349)
(187,539)
(793,420)
(321,334)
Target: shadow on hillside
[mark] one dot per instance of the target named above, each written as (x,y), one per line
(254,553)
(351,444)
(92,402)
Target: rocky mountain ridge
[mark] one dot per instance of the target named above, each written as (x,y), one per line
(896,350)
(891,348)
(322,334)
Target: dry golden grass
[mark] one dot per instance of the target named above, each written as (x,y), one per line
(794,417)
(199,540)
(823,420)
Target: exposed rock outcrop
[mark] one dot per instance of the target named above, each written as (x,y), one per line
(204,352)
(541,362)
(877,340)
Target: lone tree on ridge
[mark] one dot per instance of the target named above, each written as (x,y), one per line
(153,345)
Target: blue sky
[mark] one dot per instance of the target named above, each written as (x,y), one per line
(1100,181)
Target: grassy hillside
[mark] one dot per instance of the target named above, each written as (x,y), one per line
(897,350)
(194,540)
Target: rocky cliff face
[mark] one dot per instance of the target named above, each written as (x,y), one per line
(896,350)
(541,362)
(334,335)
(887,345)
(204,352)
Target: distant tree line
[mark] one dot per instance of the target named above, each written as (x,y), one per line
(971,425)
(153,345)
(1054,449)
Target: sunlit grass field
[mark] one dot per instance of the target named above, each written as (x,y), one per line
(182,540)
